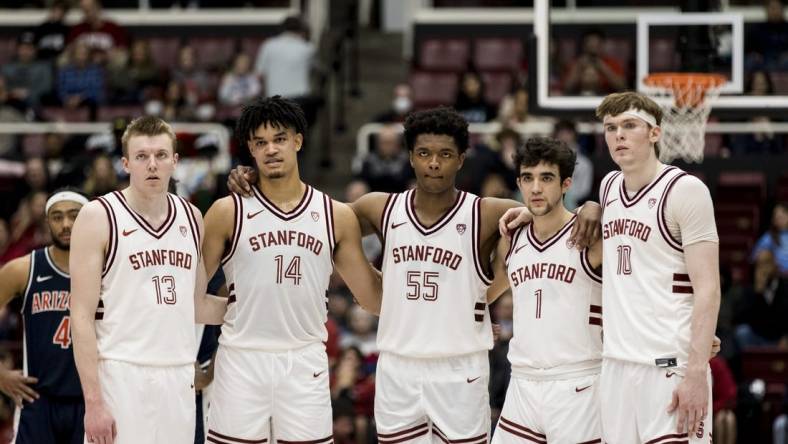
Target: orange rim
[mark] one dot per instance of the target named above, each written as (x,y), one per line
(680,79)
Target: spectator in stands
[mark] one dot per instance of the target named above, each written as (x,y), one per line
(338,308)
(775,240)
(102,177)
(764,307)
(51,35)
(593,71)
(105,39)
(29,228)
(583,177)
(362,332)
(513,109)
(470,100)
(500,367)
(285,61)
(127,82)
(401,105)
(767,43)
(27,79)
(764,141)
(387,168)
(353,382)
(494,185)
(81,82)
(195,81)
(344,417)
(239,84)
(370,244)
(174,107)
(9,112)
(724,406)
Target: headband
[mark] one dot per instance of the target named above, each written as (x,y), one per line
(640,114)
(63,196)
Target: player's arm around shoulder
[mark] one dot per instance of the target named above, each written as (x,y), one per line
(363,280)
(501,281)
(208,309)
(369,211)
(14,276)
(219,222)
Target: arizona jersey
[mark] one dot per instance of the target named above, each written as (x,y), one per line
(647,293)
(557,299)
(48,354)
(277,269)
(434,287)
(146,311)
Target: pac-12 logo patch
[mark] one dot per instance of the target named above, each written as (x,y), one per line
(651,203)
(183,230)
(315,216)
(461,228)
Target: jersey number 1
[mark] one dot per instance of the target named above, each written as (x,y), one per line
(62,335)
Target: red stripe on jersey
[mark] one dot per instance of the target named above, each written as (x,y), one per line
(596,309)
(402,439)
(385,215)
(401,432)
(439,433)
(595,321)
(662,221)
(628,202)
(241,440)
(682,289)
(314,441)
(525,429)
(112,247)
(593,441)
(679,277)
(660,439)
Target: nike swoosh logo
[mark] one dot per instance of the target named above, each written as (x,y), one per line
(393,225)
(251,215)
(43,278)
(520,248)
(578,390)
(610,202)
(469,380)
(669,374)
(315,375)
(126,233)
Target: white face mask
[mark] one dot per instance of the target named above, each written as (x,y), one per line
(154,108)
(402,105)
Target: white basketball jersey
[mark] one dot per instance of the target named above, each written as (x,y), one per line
(646,292)
(146,312)
(277,270)
(557,306)
(434,288)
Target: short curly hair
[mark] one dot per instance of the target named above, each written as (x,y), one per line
(549,150)
(275,111)
(440,121)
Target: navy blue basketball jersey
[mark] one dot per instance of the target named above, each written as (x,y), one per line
(48,354)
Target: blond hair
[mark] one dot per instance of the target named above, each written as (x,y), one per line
(147,126)
(617,103)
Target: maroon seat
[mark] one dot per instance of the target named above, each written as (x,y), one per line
(496,86)
(780,82)
(497,54)
(741,186)
(662,55)
(737,219)
(444,55)
(213,52)
(250,46)
(7,49)
(164,51)
(33,145)
(58,114)
(108,113)
(433,89)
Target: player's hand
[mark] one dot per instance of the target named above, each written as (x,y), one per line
(513,219)
(496,329)
(15,385)
(588,227)
(99,424)
(716,347)
(690,399)
(240,180)
(201,378)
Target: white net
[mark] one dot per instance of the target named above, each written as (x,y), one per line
(686,101)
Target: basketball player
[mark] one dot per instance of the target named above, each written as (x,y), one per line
(55,408)
(556,349)
(278,249)
(661,292)
(136,295)
(434,331)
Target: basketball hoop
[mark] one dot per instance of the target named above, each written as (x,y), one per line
(685,99)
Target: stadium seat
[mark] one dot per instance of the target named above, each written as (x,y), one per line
(109,113)
(713,145)
(738,218)
(741,186)
(58,114)
(251,45)
(213,52)
(619,49)
(491,54)
(433,89)
(782,188)
(164,51)
(780,82)
(444,55)
(33,145)
(496,86)
(7,49)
